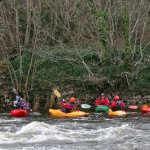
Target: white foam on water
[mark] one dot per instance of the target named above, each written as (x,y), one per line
(117,132)
(40,131)
(56,148)
(4,136)
(36,127)
(98,134)
(2,120)
(11,120)
(32,131)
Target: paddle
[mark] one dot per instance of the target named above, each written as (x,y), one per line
(85,106)
(56,93)
(15,91)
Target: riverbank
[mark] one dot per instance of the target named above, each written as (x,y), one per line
(88,48)
(40,103)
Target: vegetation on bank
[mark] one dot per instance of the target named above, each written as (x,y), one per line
(84,47)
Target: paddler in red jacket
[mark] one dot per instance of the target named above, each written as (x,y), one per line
(69,106)
(73,103)
(102,101)
(117,104)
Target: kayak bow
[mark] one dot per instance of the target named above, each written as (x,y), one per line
(102,108)
(118,113)
(58,113)
(19,113)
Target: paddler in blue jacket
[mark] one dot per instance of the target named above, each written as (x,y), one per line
(19,103)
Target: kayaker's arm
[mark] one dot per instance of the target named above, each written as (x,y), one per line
(54,99)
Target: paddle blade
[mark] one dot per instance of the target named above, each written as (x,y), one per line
(85,106)
(56,93)
(15,91)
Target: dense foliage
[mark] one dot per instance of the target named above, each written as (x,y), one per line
(91,46)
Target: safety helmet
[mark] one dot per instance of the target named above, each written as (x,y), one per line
(116,97)
(72,100)
(17,97)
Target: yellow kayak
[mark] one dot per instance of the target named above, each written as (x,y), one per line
(58,113)
(118,113)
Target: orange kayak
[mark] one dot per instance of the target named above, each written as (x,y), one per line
(119,113)
(58,113)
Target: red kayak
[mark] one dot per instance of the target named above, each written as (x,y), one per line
(19,113)
(145,109)
(134,107)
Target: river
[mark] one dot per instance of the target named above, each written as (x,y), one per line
(96,132)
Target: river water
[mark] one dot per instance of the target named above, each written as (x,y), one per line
(96,132)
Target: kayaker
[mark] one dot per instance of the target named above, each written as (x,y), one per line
(73,103)
(102,101)
(145,103)
(16,102)
(69,106)
(66,106)
(117,104)
(19,103)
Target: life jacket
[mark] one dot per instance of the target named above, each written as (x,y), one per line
(98,101)
(74,106)
(107,103)
(102,102)
(66,105)
(22,104)
(118,105)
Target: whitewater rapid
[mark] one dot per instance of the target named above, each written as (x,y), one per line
(74,134)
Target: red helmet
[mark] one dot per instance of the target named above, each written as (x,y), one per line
(116,97)
(72,100)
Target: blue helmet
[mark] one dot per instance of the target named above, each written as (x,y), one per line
(17,97)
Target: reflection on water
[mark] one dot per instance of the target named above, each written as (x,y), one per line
(94,132)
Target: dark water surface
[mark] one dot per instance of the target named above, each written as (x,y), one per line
(96,132)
